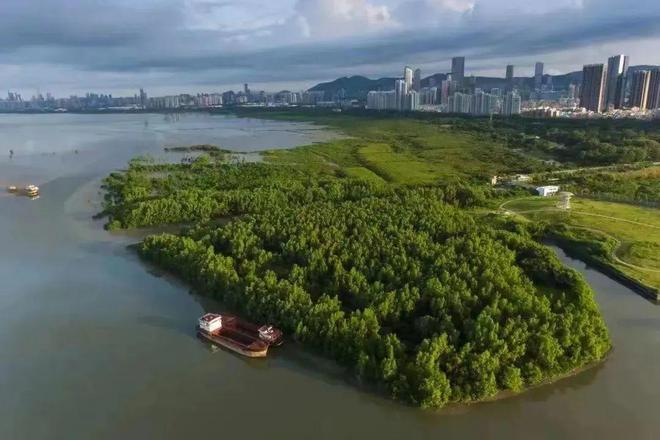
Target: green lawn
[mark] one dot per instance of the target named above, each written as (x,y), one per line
(404,151)
(636,228)
(363,173)
(395,167)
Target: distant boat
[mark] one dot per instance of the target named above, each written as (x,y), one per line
(32,191)
(237,335)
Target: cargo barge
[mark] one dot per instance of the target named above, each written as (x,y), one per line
(237,335)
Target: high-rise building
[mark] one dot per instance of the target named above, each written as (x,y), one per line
(460,103)
(458,70)
(639,91)
(538,75)
(654,90)
(615,92)
(143,98)
(381,100)
(408,78)
(412,101)
(512,104)
(484,103)
(399,94)
(593,87)
(417,80)
(509,77)
(446,90)
(428,96)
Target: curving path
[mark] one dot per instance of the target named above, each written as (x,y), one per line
(613,255)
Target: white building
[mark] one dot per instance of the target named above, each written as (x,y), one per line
(412,101)
(512,104)
(485,104)
(428,96)
(546,191)
(400,93)
(381,100)
(460,103)
(408,79)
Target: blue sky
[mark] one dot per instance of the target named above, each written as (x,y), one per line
(168,46)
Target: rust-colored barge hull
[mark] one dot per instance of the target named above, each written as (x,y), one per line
(237,342)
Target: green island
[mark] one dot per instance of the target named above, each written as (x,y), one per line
(390,252)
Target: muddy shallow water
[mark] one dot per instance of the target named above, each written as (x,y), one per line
(93,344)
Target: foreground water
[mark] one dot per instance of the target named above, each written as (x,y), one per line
(93,344)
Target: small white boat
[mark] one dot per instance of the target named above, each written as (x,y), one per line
(12,189)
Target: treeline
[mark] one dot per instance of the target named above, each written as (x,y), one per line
(630,187)
(149,195)
(399,284)
(586,143)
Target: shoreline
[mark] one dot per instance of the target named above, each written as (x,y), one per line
(155,270)
(650,293)
(507,394)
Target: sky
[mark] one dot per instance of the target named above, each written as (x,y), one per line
(173,46)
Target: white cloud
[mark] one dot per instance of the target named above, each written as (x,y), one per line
(326,19)
(121,44)
(453,5)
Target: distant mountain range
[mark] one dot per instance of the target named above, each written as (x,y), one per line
(357,87)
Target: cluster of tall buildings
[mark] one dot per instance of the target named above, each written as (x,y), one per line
(612,86)
(406,96)
(455,94)
(603,88)
(91,101)
(141,101)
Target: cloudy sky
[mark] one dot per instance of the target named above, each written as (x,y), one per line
(167,46)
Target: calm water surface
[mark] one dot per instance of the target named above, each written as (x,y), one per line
(94,345)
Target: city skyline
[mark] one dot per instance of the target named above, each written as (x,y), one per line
(171,46)
(412,78)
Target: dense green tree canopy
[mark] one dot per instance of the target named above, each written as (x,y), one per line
(401,285)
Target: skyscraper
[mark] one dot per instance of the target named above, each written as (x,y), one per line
(408,78)
(460,103)
(538,75)
(639,92)
(446,90)
(512,104)
(509,77)
(399,94)
(458,70)
(654,90)
(143,98)
(484,103)
(615,92)
(417,80)
(593,85)
(412,101)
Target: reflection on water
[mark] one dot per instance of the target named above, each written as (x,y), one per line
(93,345)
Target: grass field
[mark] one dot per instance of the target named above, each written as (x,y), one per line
(637,229)
(363,173)
(404,151)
